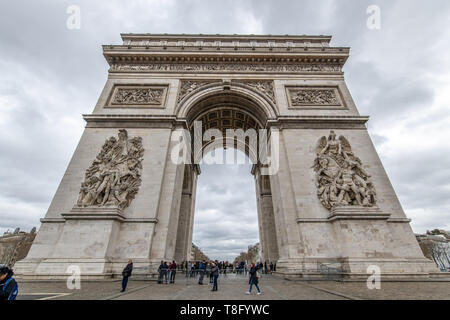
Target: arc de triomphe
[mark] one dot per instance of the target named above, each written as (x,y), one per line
(123,196)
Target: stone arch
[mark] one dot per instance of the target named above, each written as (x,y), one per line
(222,106)
(247,107)
(262,106)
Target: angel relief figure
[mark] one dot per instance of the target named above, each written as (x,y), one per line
(340,177)
(114,177)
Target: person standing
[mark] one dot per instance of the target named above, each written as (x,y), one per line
(126,273)
(8,285)
(160,272)
(173,271)
(253,278)
(202,268)
(215,274)
(271,267)
(165,270)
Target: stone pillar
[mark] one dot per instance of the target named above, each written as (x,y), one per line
(266,219)
(165,233)
(285,210)
(190,228)
(186,216)
(262,236)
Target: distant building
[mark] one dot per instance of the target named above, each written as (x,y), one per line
(15,246)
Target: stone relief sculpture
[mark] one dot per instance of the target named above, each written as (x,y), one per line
(114,177)
(301,97)
(138,96)
(265,87)
(187,86)
(340,178)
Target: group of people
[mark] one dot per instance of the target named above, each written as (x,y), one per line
(167,272)
(212,269)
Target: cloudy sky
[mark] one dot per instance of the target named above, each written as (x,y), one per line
(50,75)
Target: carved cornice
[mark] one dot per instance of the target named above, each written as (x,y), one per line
(132,121)
(224,40)
(236,67)
(319,122)
(222,53)
(170,121)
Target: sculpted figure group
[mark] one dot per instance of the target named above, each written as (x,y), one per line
(138,96)
(340,178)
(114,177)
(313,97)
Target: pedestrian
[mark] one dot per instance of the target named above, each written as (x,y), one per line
(265,267)
(126,273)
(202,269)
(173,271)
(160,272)
(271,267)
(253,278)
(8,285)
(215,274)
(165,272)
(208,272)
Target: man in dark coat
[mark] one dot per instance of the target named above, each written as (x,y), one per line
(126,273)
(8,285)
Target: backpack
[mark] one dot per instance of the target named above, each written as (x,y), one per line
(15,290)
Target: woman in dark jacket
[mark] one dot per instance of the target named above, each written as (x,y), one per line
(126,273)
(8,286)
(253,279)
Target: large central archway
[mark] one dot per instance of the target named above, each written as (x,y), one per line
(217,109)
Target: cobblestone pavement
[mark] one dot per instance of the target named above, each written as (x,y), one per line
(234,287)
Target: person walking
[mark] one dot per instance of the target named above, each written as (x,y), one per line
(253,278)
(173,271)
(215,274)
(126,273)
(271,267)
(8,285)
(202,269)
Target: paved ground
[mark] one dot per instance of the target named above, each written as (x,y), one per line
(234,287)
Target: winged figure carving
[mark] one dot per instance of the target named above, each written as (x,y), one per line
(341,179)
